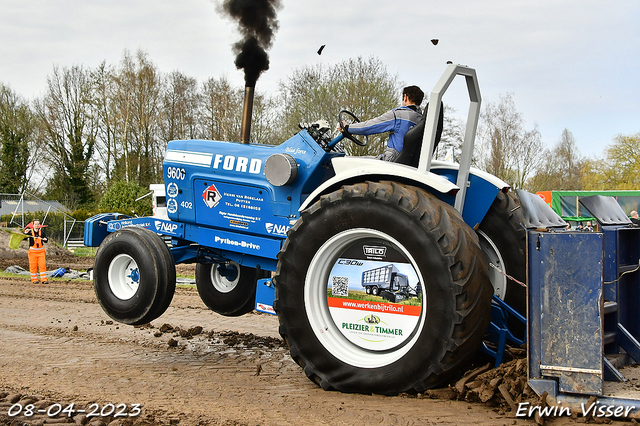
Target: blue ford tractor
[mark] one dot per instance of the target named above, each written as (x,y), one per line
(310,219)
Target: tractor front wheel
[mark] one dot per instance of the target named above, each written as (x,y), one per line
(228,289)
(134,276)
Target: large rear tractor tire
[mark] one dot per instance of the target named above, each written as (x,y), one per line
(349,341)
(134,276)
(228,289)
(504,241)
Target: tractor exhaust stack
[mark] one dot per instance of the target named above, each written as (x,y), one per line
(247,112)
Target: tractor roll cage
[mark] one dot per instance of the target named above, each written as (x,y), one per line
(473,116)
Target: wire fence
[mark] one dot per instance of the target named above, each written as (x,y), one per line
(17,210)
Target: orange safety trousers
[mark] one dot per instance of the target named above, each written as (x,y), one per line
(37,261)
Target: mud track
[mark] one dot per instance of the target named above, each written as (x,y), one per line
(189,367)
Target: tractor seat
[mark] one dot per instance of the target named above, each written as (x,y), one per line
(410,154)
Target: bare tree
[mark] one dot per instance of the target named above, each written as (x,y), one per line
(180,101)
(147,146)
(136,99)
(220,110)
(562,167)
(364,87)
(265,125)
(104,99)
(220,116)
(121,107)
(66,114)
(571,161)
(509,151)
(452,136)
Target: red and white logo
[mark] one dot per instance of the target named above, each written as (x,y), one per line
(211,196)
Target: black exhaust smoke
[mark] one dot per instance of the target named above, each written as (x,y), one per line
(257,23)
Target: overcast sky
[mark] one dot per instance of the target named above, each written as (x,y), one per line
(571,64)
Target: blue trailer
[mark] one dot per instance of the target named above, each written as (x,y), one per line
(583,322)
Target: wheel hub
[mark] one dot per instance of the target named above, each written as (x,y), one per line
(497,278)
(225,277)
(124,277)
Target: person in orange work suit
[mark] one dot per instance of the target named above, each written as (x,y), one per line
(37,259)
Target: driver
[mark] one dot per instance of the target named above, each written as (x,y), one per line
(396,121)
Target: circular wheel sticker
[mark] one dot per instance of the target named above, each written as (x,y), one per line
(374,295)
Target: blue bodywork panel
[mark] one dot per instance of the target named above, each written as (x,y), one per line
(96,228)
(222,184)
(99,226)
(265,294)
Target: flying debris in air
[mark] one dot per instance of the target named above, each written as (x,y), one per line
(434,41)
(320,50)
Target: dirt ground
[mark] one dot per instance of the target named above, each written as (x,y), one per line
(191,367)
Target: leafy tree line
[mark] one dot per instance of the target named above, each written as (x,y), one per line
(18,141)
(506,149)
(94,128)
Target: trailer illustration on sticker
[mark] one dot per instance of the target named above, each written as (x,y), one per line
(375,304)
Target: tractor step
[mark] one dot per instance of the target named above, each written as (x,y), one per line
(609,337)
(610,307)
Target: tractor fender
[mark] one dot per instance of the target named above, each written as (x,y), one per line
(349,168)
(482,190)
(445,165)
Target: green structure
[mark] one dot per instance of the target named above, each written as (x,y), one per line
(567,205)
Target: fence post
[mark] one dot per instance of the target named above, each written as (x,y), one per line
(67,236)
(20,203)
(46,214)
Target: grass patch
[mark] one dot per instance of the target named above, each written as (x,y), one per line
(186,285)
(28,277)
(85,251)
(8,275)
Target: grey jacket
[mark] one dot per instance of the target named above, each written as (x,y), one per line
(397,122)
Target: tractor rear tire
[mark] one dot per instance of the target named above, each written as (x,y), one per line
(228,297)
(440,254)
(133,279)
(504,241)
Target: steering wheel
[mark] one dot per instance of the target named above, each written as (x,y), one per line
(348,117)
